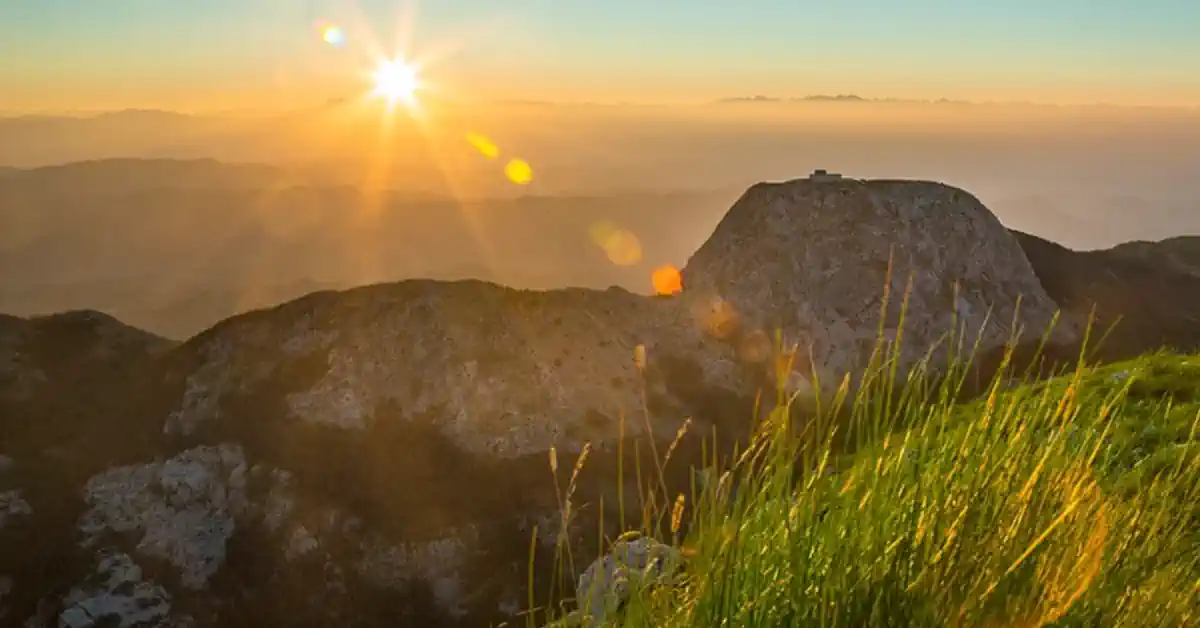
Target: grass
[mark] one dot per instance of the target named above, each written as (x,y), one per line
(1073,501)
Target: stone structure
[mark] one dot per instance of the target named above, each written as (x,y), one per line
(821,175)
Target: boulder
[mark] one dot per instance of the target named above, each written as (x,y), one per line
(814,259)
(630,564)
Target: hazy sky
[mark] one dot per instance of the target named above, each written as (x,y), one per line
(258,53)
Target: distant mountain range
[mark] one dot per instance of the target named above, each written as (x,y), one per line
(847,98)
(855,98)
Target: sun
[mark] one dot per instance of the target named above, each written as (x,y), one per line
(397,81)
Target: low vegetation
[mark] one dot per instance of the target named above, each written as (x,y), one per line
(1072,501)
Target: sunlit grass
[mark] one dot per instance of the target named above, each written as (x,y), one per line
(1068,502)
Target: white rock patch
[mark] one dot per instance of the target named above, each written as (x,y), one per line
(183,508)
(607,582)
(120,595)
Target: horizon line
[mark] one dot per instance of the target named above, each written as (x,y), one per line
(847,99)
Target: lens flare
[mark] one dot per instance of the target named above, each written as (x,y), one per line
(622,247)
(518,171)
(333,35)
(484,145)
(667,280)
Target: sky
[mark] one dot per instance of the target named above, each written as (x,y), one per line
(218,54)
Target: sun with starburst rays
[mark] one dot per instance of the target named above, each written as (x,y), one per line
(397,80)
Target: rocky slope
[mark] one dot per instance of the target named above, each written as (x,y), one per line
(381,456)
(1139,305)
(1180,253)
(70,387)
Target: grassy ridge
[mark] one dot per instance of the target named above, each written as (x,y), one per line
(1068,502)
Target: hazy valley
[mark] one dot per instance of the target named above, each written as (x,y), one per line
(327,198)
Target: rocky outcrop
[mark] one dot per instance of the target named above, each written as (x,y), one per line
(181,510)
(500,372)
(630,565)
(815,259)
(407,403)
(117,595)
(382,456)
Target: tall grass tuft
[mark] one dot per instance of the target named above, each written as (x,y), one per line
(892,503)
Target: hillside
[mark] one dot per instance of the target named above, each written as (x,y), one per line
(1068,502)
(1155,304)
(1180,253)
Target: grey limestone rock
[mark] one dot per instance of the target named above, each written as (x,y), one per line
(607,583)
(812,259)
(181,510)
(119,596)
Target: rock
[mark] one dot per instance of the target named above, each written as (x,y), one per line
(181,510)
(12,505)
(118,596)
(630,564)
(502,373)
(812,259)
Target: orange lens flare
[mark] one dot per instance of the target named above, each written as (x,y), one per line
(622,247)
(667,280)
